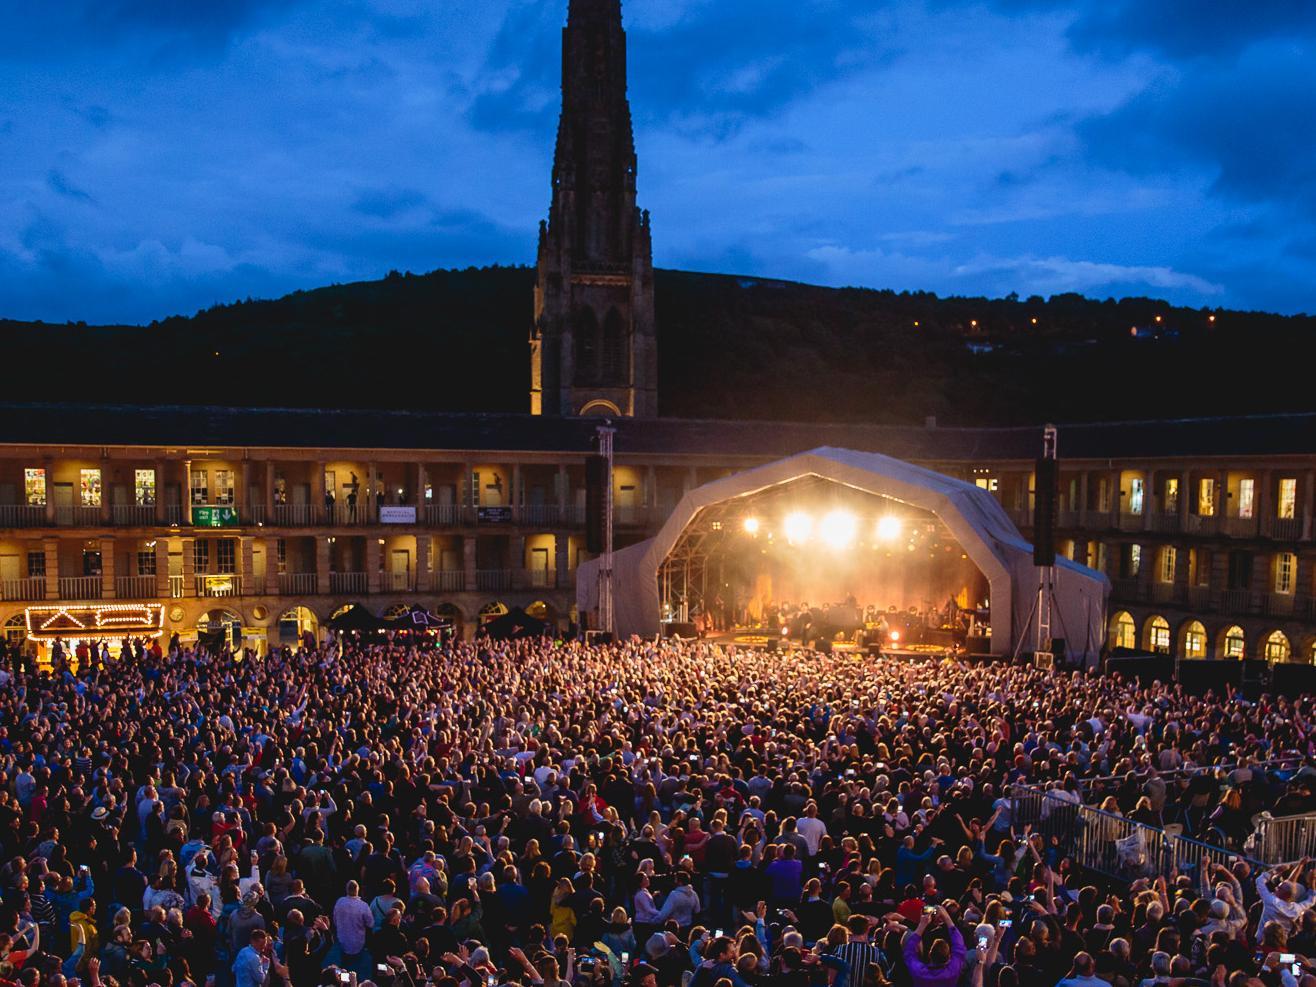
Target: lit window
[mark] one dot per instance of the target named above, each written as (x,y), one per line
(1169,559)
(201,555)
(34,487)
(36,565)
(223,486)
(1172,495)
(1135,560)
(1286,509)
(1246,497)
(281,554)
(90,485)
(1206,496)
(1158,635)
(1135,495)
(200,487)
(1234,642)
(144,488)
(988,483)
(225,556)
(1277,647)
(1124,632)
(1285,564)
(1194,640)
(146,562)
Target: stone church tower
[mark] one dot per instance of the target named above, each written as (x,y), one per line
(592,349)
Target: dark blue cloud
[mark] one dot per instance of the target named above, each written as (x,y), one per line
(60,185)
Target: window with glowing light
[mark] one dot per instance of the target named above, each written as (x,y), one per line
(226,556)
(200,487)
(1206,496)
(89,483)
(1194,640)
(1135,495)
(1235,642)
(1278,647)
(1172,495)
(144,488)
(1286,564)
(1247,488)
(1287,507)
(1158,635)
(223,487)
(34,487)
(1123,632)
(1169,560)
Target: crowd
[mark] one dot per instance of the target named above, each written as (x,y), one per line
(538,813)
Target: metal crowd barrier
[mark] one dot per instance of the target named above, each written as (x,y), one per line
(1117,847)
(1283,839)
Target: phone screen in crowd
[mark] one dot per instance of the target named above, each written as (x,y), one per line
(1005,923)
(1288,958)
(982,942)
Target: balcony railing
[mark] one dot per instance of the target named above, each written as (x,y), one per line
(295,515)
(1240,527)
(173,514)
(1165,523)
(348,582)
(539,515)
(1200,524)
(397,582)
(1285,528)
(1279,604)
(22,515)
(132,514)
(80,587)
(1236,601)
(1131,522)
(448,580)
(218,585)
(442,515)
(297,583)
(134,587)
(77,516)
(493,580)
(1067,519)
(1199,597)
(31,588)
(1164,593)
(537,578)
(175,587)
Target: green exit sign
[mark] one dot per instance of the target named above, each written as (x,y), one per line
(214,517)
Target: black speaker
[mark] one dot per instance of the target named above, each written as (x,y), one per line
(770,646)
(1046,493)
(596,503)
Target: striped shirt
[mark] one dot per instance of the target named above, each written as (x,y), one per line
(858,956)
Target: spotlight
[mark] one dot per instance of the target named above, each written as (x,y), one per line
(837,528)
(895,635)
(798,526)
(751,526)
(888,528)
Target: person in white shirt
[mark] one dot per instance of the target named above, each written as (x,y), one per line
(1286,904)
(811,828)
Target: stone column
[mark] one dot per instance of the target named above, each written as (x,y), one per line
(1185,498)
(159,510)
(374,556)
(422,563)
(105,490)
(317,492)
(272,567)
(50,546)
(269,491)
(514,495)
(161,557)
(468,561)
(322,565)
(562,559)
(248,566)
(107,547)
(1308,503)
(246,512)
(563,494)
(48,465)
(1085,478)
(189,567)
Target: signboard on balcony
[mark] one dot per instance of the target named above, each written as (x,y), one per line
(397,515)
(215,517)
(494,515)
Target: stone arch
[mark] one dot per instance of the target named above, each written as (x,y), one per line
(1123,631)
(492,610)
(1276,646)
(601,407)
(15,630)
(1192,639)
(1156,634)
(1232,642)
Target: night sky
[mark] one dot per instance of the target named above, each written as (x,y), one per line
(159,156)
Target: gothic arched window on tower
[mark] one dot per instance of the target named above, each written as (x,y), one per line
(615,355)
(587,346)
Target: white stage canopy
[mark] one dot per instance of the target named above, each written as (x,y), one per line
(972,515)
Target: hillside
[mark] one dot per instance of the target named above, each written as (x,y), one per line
(729,348)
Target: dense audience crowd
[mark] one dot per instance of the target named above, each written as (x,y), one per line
(649,814)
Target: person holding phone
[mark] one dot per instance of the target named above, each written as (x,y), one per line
(934,962)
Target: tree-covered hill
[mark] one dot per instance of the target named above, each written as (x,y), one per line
(730,347)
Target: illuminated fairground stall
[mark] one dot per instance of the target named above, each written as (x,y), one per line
(94,623)
(845,548)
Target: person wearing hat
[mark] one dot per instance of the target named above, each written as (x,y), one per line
(643,975)
(242,922)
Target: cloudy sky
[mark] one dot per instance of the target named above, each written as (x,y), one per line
(157,157)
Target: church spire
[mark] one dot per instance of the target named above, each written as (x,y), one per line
(592,347)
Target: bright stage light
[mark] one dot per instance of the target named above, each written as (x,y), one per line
(895,635)
(751,526)
(888,528)
(798,526)
(838,528)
